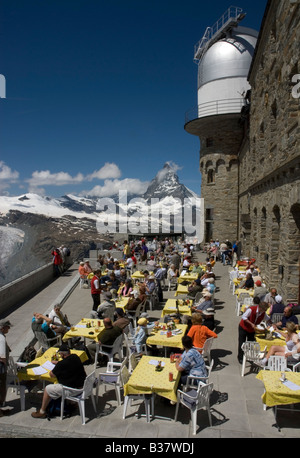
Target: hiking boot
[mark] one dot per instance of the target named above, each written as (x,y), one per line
(39,414)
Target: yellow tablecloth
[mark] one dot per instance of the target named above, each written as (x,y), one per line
(181,289)
(276,393)
(160,337)
(187,277)
(122,302)
(238,291)
(137,275)
(170,307)
(27,373)
(146,380)
(268,343)
(80,330)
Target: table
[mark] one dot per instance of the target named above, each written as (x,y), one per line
(81,329)
(239,291)
(181,289)
(122,302)
(28,372)
(160,337)
(146,380)
(138,275)
(170,307)
(188,276)
(276,392)
(268,343)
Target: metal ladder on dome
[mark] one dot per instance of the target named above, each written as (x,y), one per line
(232,16)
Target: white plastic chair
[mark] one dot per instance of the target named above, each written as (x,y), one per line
(240,300)
(192,380)
(148,400)
(114,377)
(277,363)
(134,315)
(232,275)
(80,395)
(206,349)
(195,400)
(12,381)
(116,348)
(46,343)
(252,353)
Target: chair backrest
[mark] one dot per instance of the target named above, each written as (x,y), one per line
(277,317)
(277,363)
(248,300)
(125,375)
(11,367)
(204,392)
(251,349)
(118,343)
(207,345)
(133,361)
(233,274)
(197,298)
(88,385)
(243,296)
(44,341)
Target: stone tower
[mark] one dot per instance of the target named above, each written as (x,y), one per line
(223,57)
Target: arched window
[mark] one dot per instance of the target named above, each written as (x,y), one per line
(210,176)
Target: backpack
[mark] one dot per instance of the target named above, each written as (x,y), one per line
(28,354)
(53,409)
(68,252)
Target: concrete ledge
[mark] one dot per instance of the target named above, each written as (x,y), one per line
(20,289)
(61,299)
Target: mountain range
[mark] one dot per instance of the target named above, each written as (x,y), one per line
(32,225)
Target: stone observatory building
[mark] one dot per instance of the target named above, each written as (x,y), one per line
(247,120)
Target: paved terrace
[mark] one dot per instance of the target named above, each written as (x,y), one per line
(237,409)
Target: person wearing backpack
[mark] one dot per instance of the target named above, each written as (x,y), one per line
(69,371)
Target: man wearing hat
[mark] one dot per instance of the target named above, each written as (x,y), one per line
(69,371)
(106,309)
(5,326)
(260,290)
(141,335)
(204,305)
(278,307)
(209,318)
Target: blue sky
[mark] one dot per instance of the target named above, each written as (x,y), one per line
(96,92)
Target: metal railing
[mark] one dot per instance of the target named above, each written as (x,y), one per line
(215,107)
(229,19)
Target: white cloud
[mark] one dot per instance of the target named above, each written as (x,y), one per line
(7,176)
(46,178)
(109,170)
(112,187)
(6,173)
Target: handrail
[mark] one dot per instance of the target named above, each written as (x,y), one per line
(230,18)
(215,107)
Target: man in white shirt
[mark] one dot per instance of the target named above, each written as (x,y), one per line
(4,355)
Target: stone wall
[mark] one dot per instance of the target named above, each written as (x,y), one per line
(269,170)
(220,138)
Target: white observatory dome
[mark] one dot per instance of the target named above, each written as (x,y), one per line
(223,71)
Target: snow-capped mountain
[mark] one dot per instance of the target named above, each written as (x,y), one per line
(32,225)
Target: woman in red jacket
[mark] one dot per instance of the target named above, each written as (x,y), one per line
(57,261)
